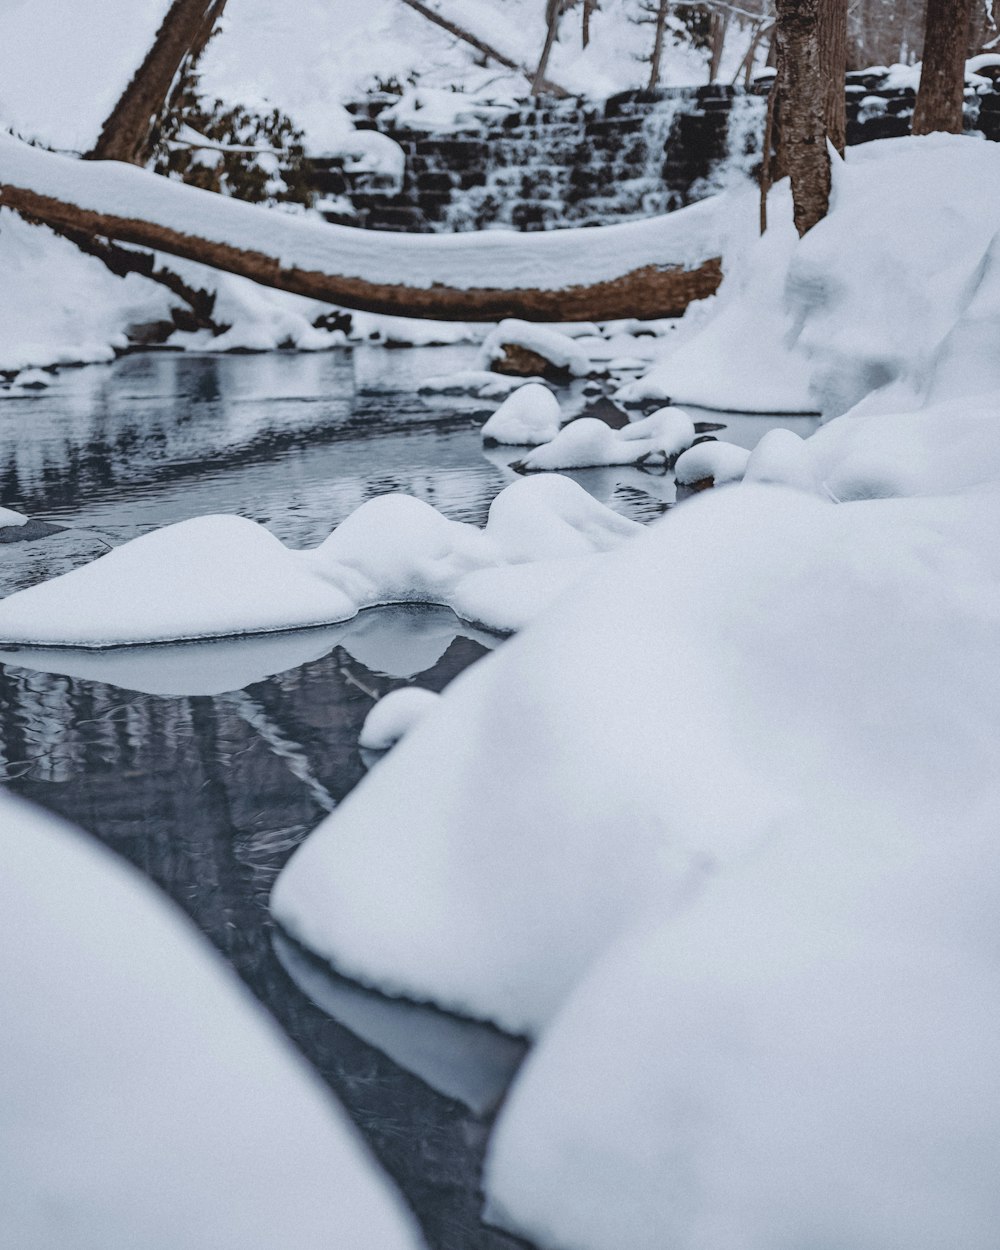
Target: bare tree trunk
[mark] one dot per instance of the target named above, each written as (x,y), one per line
(720,25)
(128,133)
(942,78)
(802,100)
(833,68)
(553,9)
(588,8)
(481,46)
(657,57)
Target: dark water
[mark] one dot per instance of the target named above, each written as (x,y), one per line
(206,765)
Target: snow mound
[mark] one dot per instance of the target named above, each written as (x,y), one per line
(713,461)
(131,1059)
(589,443)
(807,1060)
(222,576)
(562,352)
(780,458)
(395,715)
(9,517)
(869,302)
(527,417)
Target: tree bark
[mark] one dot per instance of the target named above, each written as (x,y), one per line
(553,9)
(801,105)
(649,292)
(657,57)
(588,8)
(833,68)
(719,28)
(487,50)
(942,78)
(128,133)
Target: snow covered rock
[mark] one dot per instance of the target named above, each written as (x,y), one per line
(522,347)
(8,517)
(395,715)
(780,458)
(527,417)
(711,463)
(222,576)
(131,1060)
(589,443)
(568,796)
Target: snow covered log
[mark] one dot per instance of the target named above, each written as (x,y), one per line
(652,268)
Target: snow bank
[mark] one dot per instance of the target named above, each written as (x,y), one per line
(807,1060)
(569,768)
(394,715)
(131,1060)
(589,443)
(528,416)
(561,351)
(869,300)
(219,576)
(60,306)
(551,259)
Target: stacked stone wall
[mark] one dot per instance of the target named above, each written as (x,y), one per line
(549,163)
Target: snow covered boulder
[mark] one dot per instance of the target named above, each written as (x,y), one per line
(15,527)
(711,463)
(527,417)
(131,1060)
(590,443)
(395,715)
(781,459)
(9,519)
(521,347)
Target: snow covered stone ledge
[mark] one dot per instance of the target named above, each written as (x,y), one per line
(131,1060)
(222,576)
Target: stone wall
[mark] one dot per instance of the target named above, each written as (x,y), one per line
(551,163)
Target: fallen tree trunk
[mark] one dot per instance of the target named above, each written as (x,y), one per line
(562,275)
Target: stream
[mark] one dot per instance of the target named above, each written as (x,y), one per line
(206,765)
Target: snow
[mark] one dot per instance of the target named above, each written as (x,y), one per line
(224,576)
(724,633)
(64,67)
(871,301)
(722,462)
(782,458)
(394,715)
(9,517)
(61,306)
(131,1060)
(589,442)
(555,258)
(807,1060)
(528,416)
(561,351)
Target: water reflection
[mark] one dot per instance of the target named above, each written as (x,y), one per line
(209,793)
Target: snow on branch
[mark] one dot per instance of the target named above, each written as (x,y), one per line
(651,268)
